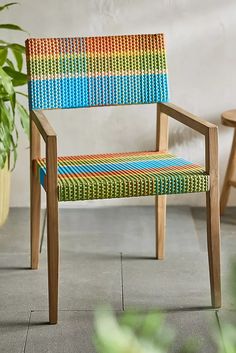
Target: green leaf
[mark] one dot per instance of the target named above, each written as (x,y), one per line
(14,150)
(13,103)
(10,63)
(18,52)
(19,58)
(24,118)
(7,5)
(6,117)
(5,80)
(12,27)
(22,94)
(18,77)
(17,47)
(3,56)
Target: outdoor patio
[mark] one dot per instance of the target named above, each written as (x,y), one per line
(107,259)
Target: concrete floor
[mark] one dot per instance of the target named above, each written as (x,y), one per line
(107,259)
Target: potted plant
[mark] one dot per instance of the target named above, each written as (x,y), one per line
(11,78)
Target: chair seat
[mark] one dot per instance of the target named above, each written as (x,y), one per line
(131,174)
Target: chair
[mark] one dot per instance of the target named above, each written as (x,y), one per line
(104,71)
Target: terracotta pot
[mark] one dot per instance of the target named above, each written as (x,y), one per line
(5,178)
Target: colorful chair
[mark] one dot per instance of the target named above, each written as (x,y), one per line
(104,71)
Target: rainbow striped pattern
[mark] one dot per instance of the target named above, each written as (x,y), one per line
(130,174)
(96,71)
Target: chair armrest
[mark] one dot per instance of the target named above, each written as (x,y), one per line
(39,125)
(210,132)
(186,118)
(43,125)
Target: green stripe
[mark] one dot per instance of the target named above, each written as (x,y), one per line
(77,64)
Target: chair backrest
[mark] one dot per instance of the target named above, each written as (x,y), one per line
(96,71)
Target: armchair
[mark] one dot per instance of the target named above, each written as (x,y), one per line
(98,71)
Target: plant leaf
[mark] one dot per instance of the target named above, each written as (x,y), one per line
(18,77)
(19,58)
(6,117)
(24,118)
(13,103)
(22,94)
(5,80)
(7,5)
(3,56)
(10,63)
(17,47)
(11,26)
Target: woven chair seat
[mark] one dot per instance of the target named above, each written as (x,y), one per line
(116,175)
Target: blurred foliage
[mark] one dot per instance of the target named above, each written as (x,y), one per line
(11,78)
(131,333)
(227,341)
(138,333)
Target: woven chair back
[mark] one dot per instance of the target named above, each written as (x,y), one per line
(96,71)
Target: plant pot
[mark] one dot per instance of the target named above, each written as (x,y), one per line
(5,178)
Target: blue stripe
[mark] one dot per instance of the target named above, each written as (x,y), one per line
(42,175)
(77,92)
(113,167)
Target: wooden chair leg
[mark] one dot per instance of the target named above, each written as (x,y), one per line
(160,226)
(35,195)
(213,242)
(52,229)
(228,176)
(53,256)
(35,221)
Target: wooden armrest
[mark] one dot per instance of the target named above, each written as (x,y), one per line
(210,131)
(42,124)
(186,118)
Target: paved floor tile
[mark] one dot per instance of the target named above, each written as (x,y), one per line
(72,335)
(197,327)
(180,281)
(74,332)
(228,228)
(92,270)
(13,331)
(20,287)
(126,229)
(86,281)
(15,233)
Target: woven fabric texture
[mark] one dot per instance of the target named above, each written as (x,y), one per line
(117,175)
(96,71)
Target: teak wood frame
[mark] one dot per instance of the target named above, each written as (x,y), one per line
(229,181)
(39,125)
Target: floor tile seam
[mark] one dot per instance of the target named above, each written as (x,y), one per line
(14,253)
(220,329)
(78,310)
(27,333)
(138,310)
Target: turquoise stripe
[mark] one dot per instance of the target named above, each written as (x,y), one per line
(114,167)
(78,92)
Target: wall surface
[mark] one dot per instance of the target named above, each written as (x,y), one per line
(200,36)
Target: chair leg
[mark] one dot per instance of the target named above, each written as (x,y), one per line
(160,226)
(35,220)
(53,255)
(213,242)
(35,195)
(228,176)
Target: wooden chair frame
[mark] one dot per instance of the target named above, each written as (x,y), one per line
(39,126)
